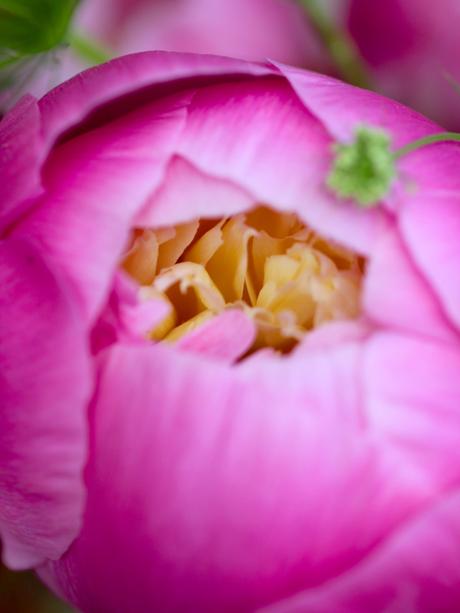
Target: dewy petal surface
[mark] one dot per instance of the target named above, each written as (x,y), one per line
(45,384)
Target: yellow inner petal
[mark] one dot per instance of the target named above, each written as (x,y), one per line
(287,278)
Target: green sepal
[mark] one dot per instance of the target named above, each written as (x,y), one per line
(364,169)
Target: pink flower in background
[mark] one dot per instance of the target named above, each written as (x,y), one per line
(260,379)
(412,49)
(249,29)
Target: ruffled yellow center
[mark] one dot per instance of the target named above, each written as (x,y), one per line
(283,275)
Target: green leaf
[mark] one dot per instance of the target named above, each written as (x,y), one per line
(34,26)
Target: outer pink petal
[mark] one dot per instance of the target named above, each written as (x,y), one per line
(130,80)
(413,392)
(233,486)
(430,224)
(45,383)
(19,159)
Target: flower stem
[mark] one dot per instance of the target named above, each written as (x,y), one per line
(426,140)
(339,44)
(91,51)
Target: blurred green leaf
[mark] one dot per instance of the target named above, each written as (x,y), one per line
(33,26)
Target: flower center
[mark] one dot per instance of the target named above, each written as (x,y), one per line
(285,277)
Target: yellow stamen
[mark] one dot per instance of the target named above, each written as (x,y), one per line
(288,279)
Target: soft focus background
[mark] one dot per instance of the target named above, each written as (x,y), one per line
(406,49)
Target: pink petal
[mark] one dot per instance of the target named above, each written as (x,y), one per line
(334,333)
(207,196)
(397,296)
(430,224)
(413,391)
(225,337)
(20,145)
(127,315)
(342,107)
(45,383)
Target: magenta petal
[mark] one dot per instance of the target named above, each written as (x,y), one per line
(45,383)
(20,158)
(225,337)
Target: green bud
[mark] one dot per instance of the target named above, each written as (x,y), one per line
(364,169)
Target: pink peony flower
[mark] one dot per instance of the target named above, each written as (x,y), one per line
(259,378)
(413,51)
